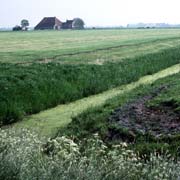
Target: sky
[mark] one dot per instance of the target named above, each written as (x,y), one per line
(93,12)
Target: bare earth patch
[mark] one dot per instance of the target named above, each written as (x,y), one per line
(137,117)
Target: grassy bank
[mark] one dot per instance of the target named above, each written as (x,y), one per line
(48,122)
(97,120)
(30,89)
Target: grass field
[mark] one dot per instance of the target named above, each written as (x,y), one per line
(104,99)
(34,46)
(61,79)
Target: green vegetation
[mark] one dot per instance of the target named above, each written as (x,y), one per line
(48,122)
(21,47)
(78,23)
(116,54)
(96,120)
(171,97)
(115,104)
(40,86)
(23,155)
(24,23)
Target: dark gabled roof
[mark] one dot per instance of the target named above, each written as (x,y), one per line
(67,24)
(48,23)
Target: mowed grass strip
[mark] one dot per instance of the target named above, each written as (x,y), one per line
(49,122)
(26,90)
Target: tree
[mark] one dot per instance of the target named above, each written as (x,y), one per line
(24,24)
(78,23)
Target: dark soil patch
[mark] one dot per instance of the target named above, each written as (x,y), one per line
(137,117)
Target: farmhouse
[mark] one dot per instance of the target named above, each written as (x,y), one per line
(49,23)
(55,23)
(67,25)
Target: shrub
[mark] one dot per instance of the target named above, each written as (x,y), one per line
(17,28)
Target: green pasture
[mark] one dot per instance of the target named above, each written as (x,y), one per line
(18,47)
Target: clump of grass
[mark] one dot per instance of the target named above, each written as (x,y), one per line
(29,89)
(169,98)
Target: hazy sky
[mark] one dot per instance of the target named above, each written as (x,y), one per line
(94,12)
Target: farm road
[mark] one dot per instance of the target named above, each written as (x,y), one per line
(48,122)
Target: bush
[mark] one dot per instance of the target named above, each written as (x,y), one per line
(17,28)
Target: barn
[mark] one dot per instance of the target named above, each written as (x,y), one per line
(67,24)
(55,23)
(49,23)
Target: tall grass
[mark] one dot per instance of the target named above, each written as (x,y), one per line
(30,89)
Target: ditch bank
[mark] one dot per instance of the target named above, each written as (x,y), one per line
(50,121)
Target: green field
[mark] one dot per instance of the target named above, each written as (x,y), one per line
(59,89)
(34,46)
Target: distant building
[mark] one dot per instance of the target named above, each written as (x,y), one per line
(151,25)
(49,23)
(55,23)
(76,23)
(67,25)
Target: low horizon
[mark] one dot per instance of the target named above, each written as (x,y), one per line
(109,13)
(105,26)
